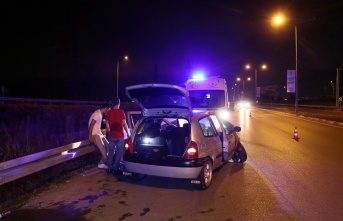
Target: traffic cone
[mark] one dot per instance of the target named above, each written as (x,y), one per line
(296,136)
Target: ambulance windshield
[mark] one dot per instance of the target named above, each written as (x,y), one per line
(212,99)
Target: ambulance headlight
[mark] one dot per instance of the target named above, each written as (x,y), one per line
(224,114)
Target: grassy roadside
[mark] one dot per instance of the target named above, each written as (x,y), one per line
(29,128)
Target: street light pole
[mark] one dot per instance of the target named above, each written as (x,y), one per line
(279,20)
(263,66)
(125,58)
(255,84)
(333,88)
(117,77)
(243,90)
(239,93)
(243,80)
(337,84)
(296,68)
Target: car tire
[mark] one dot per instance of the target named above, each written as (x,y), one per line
(240,155)
(206,174)
(137,176)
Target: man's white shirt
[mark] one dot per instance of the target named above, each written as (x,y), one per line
(97,116)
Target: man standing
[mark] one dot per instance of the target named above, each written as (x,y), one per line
(116,123)
(95,135)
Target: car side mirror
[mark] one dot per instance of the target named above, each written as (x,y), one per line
(234,129)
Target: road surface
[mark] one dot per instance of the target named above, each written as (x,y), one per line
(283,179)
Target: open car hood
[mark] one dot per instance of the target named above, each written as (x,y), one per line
(164,100)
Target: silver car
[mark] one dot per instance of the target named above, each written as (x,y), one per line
(170,140)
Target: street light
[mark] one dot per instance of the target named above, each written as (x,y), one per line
(243,80)
(125,58)
(338,76)
(262,67)
(234,93)
(333,88)
(278,20)
(234,90)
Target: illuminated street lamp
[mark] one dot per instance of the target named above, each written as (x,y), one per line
(338,76)
(125,58)
(243,80)
(279,20)
(263,67)
(234,91)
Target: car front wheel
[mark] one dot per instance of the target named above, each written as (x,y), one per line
(240,155)
(206,174)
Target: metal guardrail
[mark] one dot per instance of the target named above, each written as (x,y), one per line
(48,101)
(323,107)
(23,166)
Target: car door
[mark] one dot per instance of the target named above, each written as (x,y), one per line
(229,134)
(225,141)
(211,142)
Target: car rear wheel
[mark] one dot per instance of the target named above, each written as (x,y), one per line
(240,155)
(206,174)
(137,176)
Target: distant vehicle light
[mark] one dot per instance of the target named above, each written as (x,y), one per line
(244,104)
(223,114)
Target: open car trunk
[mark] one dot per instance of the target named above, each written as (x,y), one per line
(162,138)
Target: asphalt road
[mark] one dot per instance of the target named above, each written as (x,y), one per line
(329,113)
(283,179)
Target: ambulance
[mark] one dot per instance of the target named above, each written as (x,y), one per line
(209,94)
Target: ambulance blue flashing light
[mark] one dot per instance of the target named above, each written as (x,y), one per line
(198,75)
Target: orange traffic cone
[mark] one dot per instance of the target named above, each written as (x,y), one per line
(295,136)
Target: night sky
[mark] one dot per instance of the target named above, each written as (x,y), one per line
(70,49)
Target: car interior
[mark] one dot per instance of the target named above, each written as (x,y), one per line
(155,138)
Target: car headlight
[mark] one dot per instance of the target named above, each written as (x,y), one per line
(244,105)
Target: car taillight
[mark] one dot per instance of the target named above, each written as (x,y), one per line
(192,151)
(128,146)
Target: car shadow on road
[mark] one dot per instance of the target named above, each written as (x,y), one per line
(230,168)
(159,182)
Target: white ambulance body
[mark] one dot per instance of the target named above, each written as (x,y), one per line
(208,94)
